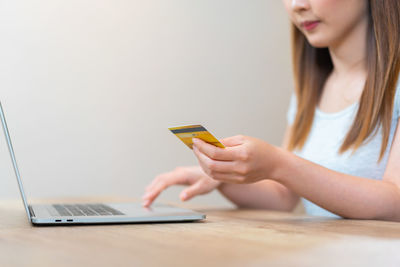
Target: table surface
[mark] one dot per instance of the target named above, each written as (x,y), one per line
(228,237)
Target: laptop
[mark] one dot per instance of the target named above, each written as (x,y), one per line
(95,213)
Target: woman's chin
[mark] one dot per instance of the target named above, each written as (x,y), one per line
(318,42)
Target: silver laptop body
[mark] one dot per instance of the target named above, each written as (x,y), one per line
(95,213)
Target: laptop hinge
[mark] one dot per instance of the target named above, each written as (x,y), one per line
(31,211)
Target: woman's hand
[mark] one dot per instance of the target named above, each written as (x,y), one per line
(244,160)
(199,183)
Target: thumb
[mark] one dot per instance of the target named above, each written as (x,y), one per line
(233,140)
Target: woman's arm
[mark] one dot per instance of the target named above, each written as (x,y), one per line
(250,160)
(346,195)
(265,194)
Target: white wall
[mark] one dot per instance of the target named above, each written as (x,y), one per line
(90,87)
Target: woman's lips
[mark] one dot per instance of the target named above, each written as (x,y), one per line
(310,25)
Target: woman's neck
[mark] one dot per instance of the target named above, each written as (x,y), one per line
(349,53)
(345,84)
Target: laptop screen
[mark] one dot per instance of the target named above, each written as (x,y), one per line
(14,161)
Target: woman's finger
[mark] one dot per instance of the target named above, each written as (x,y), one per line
(233,140)
(161,183)
(181,173)
(230,178)
(202,186)
(191,191)
(228,174)
(214,152)
(213,165)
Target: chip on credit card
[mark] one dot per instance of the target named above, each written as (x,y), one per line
(187,133)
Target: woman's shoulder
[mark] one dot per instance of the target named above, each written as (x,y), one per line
(291,113)
(396,108)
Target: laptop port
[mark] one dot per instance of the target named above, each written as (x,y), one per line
(58,220)
(70,220)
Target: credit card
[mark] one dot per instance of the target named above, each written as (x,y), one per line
(187,133)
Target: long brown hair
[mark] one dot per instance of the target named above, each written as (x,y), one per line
(312,67)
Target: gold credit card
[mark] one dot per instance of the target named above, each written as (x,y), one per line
(187,133)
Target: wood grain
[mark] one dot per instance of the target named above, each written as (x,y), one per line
(228,237)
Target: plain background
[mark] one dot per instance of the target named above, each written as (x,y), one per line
(90,87)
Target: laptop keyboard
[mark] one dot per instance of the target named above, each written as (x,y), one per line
(85,210)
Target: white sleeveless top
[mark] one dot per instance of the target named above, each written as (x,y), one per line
(326,136)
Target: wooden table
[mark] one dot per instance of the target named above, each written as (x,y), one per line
(228,237)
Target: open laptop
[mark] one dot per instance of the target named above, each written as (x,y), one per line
(95,213)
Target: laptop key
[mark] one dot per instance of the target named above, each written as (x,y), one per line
(62,211)
(111,210)
(99,209)
(74,210)
(85,210)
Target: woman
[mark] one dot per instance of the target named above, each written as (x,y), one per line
(341,150)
